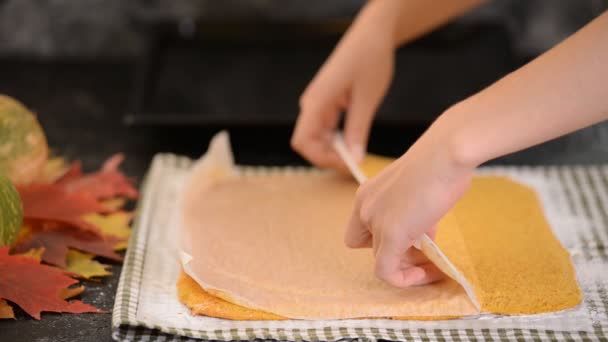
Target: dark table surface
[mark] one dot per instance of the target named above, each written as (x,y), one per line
(81,105)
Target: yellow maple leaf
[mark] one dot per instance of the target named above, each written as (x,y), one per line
(114,203)
(116,225)
(6,311)
(70,292)
(83,265)
(34,253)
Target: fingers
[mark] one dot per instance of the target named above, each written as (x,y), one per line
(358,121)
(426,271)
(413,257)
(418,275)
(431,274)
(357,235)
(313,134)
(410,268)
(396,262)
(401,266)
(320,109)
(391,252)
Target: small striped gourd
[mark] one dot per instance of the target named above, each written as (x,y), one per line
(11,212)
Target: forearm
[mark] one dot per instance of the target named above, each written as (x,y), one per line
(407,20)
(559,92)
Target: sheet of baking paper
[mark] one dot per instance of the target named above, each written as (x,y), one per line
(274,242)
(268,240)
(151,270)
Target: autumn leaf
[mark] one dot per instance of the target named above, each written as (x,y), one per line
(6,311)
(82,264)
(57,241)
(116,225)
(108,182)
(35,287)
(70,292)
(34,253)
(50,202)
(114,204)
(73,172)
(58,222)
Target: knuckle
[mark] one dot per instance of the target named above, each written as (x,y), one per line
(398,234)
(349,240)
(393,232)
(364,204)
(311,99)
(362,192)
(296,142)
(298,139)
(305,100)
(381,271)
(385,274)
(365,213)
(403,232)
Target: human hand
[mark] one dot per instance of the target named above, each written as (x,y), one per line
(403,202)
(354,80)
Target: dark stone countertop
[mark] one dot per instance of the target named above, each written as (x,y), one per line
(81,106)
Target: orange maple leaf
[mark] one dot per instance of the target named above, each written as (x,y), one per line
(56,242)
(51,202)
(35,287)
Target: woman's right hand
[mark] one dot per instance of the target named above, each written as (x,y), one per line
(354,80)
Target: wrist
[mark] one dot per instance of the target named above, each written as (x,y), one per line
(383,17)
(455,144)
(445,162)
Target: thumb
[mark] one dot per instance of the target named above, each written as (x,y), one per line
(359,117)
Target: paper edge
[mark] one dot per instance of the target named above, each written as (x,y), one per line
(432,250)
(454,272)
(217,160)
(219,157)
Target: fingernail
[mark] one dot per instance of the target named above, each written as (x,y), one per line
(358,152)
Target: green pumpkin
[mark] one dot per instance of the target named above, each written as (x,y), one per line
(11,212)
(23,146)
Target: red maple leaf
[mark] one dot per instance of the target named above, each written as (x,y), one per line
(56,242)
(51,202)
(73,172)
(35,287)
(106,183)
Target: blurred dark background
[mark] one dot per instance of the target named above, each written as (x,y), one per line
(148,76)
(145,76)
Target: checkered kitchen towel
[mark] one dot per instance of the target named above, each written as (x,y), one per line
(575,200)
